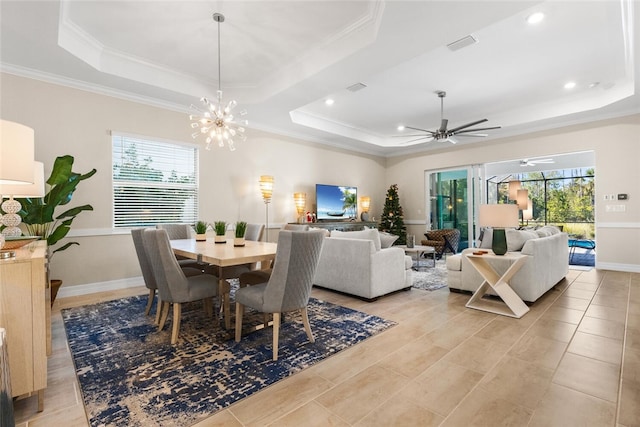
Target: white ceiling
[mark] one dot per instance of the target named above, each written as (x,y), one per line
(282,59)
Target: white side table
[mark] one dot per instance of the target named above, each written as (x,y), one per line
(419,250)
(513,305)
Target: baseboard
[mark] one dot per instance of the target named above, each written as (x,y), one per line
(630,268)
(92,288)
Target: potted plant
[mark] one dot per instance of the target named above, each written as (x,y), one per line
(220,227)
(41,216)
(201,231)
(241,228)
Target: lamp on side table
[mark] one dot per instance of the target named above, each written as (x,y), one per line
(498,217)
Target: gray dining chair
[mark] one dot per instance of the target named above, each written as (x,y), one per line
(253,233)
(180,232)
(288,287)
(174,287)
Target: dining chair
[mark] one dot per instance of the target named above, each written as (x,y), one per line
(174,287)
(253,233)
(180,232)
(147,270)
(288,287)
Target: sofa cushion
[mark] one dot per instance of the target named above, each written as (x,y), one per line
(408,263)
(387,239)
(517,238)
(454,263)
(324,231)
(369,234)
(547,230)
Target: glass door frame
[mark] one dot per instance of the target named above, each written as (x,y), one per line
(474,195)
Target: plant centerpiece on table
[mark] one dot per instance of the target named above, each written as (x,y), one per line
(241,228)
(40,216)
(201,231)
(220,228)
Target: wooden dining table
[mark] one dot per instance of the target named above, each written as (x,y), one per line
(223,255)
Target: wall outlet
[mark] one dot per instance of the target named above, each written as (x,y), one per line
(606,197)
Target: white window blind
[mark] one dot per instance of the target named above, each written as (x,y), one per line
(154,182)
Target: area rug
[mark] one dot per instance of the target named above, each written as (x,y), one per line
(430,278)
(130,375)
(587,259)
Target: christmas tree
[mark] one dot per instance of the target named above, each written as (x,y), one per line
(392,220)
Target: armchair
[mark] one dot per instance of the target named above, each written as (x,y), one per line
(443,240)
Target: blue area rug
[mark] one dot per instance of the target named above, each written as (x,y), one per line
(130,375)
(586,259)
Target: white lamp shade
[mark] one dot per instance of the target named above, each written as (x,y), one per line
(27,190)
(300,200)
(16,153)
(527,214)
(522,199)
(514,186)
(365,203)
(500,216)
(266,187)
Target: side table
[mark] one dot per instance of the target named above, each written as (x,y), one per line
(512,304)
(419,250)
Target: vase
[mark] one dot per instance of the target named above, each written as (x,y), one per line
(201,237)
(238,241)
(221,238)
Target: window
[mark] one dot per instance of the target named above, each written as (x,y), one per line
(154,182)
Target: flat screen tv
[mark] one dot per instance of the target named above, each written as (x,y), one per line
(336,203)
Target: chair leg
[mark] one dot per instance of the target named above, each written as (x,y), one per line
(207,303)
(158,310)
(152,295)
(265,320)
(177,315)
(239,314)
(164,315)
(276,333)
(307,326)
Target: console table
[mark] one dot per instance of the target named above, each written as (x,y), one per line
(512,304)
(24,305)
(342,225)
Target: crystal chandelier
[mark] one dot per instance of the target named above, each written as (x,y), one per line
(217,123)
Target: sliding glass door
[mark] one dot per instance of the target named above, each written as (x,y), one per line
(450,196)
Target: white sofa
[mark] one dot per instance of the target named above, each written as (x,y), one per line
(355,263)
(547,265)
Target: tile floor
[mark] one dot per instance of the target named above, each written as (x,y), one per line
(573,360)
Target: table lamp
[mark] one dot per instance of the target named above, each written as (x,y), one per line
(498,217)
(11,220)
(365,204)
(300,200)
(266,188)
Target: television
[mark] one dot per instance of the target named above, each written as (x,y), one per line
(336,203)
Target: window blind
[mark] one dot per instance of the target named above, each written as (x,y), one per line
(154,182)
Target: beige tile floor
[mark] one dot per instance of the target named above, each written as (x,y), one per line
(573,360)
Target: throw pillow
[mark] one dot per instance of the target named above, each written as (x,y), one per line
(517,238)
(487,238)
(387,239)
(324,231)
(370,234)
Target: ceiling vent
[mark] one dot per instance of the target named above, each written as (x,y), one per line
(356,87)
(463,42)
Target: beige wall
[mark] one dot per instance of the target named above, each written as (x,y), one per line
(75,122)
(617,150)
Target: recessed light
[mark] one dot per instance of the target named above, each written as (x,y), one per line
(594,84)
(570,85)
(329,101)
(400,128)
(535,18)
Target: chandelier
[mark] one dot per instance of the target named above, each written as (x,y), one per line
(217,122)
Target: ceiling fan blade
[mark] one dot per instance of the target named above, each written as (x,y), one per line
(451,140)
(467,125)
(482,135)
(443,125)
(408,136)
(478,129)
(425,137)
(421,130)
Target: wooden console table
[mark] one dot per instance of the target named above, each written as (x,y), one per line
(342,225)
(24,304)
(513,305)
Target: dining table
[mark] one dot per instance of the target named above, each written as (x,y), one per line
(226,254)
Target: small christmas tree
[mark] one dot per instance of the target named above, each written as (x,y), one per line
(392,220)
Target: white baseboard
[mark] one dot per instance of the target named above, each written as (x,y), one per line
(630,268)
(92,288)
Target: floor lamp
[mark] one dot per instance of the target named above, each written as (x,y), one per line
(266,187)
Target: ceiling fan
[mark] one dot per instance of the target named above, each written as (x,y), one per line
(533,162)
(444,134)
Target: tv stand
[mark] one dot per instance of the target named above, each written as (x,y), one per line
(343,225)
